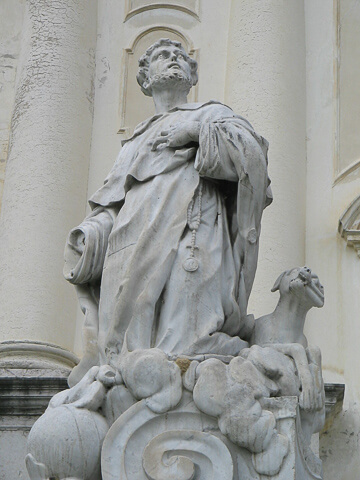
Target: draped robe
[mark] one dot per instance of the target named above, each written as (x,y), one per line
(139,232)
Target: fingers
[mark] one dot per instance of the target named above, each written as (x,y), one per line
(159,141)
(165,137)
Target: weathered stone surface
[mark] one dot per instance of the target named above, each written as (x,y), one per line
(24,396)
(163,267)
(334,398)
(28,396)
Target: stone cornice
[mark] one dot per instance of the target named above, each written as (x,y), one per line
(349,225)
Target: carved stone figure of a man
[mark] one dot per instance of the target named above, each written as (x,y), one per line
(172,239)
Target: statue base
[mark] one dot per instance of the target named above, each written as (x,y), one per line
(185,444)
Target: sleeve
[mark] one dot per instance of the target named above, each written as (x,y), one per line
(86,246)
(229,149)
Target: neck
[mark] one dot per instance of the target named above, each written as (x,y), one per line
(290,311)
(167,99)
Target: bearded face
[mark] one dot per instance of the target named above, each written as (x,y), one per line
(171,80)
(169,68)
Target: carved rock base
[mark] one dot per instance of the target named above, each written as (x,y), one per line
(185,444)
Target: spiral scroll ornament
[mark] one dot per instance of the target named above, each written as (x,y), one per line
(186,455)
(183,444)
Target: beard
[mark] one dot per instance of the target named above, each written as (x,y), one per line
(172,79)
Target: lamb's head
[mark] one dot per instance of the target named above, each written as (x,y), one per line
(302,283)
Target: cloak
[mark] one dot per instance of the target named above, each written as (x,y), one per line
(137,238)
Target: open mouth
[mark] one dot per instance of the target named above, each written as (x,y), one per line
(174,64)
(314,289)
(317,289)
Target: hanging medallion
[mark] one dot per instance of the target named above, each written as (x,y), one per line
(191,264)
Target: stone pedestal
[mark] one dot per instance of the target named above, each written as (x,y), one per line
(24,396)
(188,445)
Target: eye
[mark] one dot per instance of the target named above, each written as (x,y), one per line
(181,56)
(160,55)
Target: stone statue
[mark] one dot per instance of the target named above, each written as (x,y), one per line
(173,236)
(178,381)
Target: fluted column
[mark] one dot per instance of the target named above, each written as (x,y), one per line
(46,176)
(266,83)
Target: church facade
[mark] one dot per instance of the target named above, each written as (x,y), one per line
(69,99)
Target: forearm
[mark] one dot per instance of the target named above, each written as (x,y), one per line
(215,157)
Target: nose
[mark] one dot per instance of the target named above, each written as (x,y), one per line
(173,56)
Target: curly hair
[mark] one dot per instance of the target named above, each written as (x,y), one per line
(144,62)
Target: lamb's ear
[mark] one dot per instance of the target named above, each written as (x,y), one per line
(278,281)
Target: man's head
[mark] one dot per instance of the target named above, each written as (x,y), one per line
(166,64)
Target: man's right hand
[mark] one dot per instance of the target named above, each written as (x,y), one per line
(179,135)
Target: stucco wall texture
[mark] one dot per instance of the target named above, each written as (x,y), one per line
(276,62)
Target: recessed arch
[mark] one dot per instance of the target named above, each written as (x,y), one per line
(349,225)
(135,7)
(162,28)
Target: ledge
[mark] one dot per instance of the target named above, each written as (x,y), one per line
(28,396)
(334,398)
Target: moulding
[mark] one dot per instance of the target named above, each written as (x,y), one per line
(28,396)
(193,52)
(344,173)
(334,398)
(336,91)
(339,173)
(349,225)
(35,355)
(130,12)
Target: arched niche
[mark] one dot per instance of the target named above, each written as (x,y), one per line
(134,105)
(134,7)
(349,225)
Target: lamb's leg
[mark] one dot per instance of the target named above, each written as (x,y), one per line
(307,399)
(314,358)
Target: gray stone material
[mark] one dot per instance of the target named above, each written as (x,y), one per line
(28,396)
(24,396)
(178,381)
(349,225)
(334,398)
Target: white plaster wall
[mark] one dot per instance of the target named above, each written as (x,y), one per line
(11,20)
(336,327)
(13,446)
(266,84)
